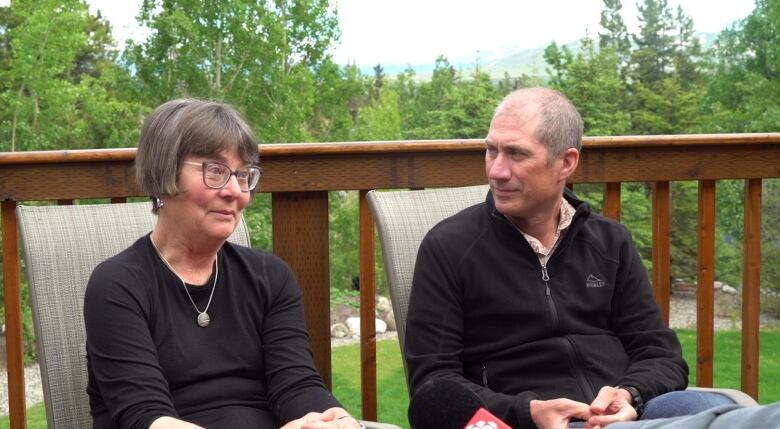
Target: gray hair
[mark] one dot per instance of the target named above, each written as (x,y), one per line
(560,125)
(184,127)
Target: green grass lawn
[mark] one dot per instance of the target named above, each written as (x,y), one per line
(728,361)
(393,398)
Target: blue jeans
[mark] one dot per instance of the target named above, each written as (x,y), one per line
(682,403)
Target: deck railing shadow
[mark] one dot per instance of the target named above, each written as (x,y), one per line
(299,177)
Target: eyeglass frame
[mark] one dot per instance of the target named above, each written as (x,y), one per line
(205,164)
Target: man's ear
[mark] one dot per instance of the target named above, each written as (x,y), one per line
(570,158)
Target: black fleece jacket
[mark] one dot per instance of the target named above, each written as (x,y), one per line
(483,312)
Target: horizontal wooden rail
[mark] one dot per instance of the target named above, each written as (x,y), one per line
(299,175)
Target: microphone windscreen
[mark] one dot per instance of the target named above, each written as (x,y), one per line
(443,404)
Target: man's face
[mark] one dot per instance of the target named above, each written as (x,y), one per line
(523,184)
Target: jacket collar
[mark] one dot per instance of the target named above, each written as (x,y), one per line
(582,212)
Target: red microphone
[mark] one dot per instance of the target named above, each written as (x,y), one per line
(483,419)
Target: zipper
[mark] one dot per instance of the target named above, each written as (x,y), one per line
(548,296)
(588,390)
(484,375)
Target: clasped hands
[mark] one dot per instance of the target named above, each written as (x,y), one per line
(611,405)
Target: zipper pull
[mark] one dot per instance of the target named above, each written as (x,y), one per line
(545,277)
(484,375)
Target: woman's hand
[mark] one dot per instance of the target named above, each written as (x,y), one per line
(333,418)
(172,423)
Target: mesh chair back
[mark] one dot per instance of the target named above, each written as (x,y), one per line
(62,245)
(403,218)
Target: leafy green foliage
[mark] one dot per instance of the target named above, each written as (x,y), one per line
(590,79)
(261,56)
(60,81)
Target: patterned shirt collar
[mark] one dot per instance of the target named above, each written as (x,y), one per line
(567,214)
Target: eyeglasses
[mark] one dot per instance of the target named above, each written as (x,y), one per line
(216,175)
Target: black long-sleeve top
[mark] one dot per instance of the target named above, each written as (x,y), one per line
(252,366)
(483,311)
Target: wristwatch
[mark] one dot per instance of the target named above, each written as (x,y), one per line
(636,398)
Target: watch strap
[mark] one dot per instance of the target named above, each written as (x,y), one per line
(636,398)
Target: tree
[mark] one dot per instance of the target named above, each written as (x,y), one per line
(259,56)
(743,94)
(381,119)
(652,58)
(379,80)
(592,82)
(615,35)
(56,77)
(40,101)
(687,53)
(666,84)
(470,106)
(340,96)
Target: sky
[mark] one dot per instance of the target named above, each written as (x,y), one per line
(417,31)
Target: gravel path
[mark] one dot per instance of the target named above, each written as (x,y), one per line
(682,310)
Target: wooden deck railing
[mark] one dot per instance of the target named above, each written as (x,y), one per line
(299,176)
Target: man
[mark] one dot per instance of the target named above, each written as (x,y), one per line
(537,305)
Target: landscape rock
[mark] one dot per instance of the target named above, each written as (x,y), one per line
(390,320)
(381,326)
(353,323)
(383,305)
(339,330)
(340,312)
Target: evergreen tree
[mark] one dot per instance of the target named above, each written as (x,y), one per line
(379,80)
(744,93)
(615,35)
(652,59)
(592,82)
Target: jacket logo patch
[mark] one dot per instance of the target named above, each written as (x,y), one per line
(593,281)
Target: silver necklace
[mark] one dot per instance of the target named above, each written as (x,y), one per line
(203,317)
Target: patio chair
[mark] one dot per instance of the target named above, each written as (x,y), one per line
(62,245)
(404,217)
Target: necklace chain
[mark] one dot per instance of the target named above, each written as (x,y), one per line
(203,317)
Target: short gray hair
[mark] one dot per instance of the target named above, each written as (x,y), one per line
(560,124)
(184,127)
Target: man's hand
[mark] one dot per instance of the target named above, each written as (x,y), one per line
(332,418)
(610,406)
(557,413)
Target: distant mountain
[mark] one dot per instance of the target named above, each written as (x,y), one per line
(529,62)
(526,61)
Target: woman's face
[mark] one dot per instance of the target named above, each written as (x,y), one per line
(200,212)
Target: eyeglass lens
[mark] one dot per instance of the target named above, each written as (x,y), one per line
(216,175)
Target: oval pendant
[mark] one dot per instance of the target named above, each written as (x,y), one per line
(203,319)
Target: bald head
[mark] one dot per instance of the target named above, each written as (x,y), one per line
(560,125)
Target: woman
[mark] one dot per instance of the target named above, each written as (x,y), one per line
(187,330)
